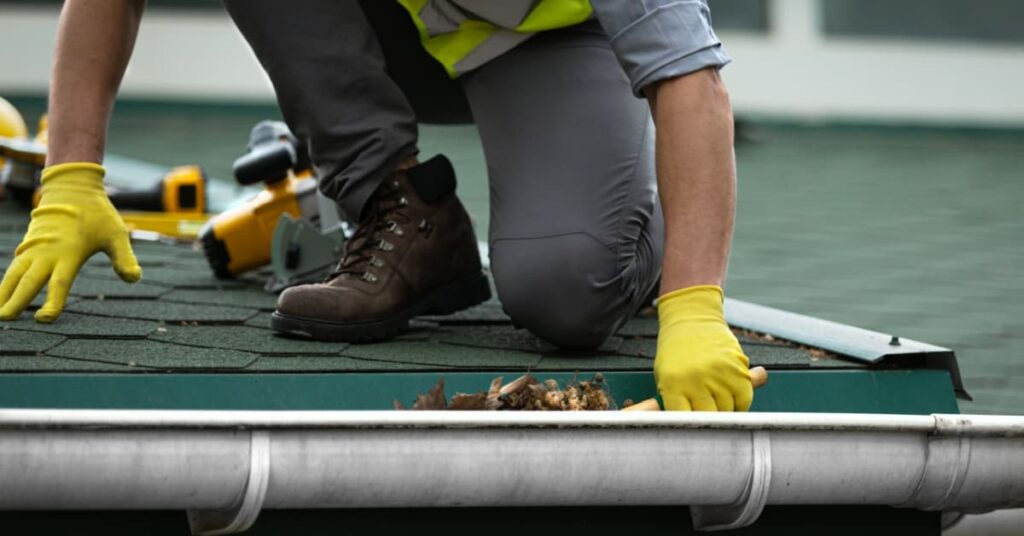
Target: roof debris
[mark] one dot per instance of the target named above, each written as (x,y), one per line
(525,393)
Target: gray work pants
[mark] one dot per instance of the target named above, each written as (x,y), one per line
(326,66)
(576,228)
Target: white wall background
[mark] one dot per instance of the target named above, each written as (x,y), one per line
(178,55)
(793,71)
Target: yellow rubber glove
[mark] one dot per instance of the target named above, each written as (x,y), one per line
(74,220)
(700,365)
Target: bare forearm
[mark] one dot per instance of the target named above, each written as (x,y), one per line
(94,42)
(696,170)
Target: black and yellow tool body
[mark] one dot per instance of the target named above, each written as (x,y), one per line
(240,239)
(175,206)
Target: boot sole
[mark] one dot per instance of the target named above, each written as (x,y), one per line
(448,299)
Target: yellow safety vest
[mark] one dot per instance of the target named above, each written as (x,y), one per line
(465,34)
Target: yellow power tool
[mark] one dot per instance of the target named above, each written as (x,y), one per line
(174,206)
(239,239)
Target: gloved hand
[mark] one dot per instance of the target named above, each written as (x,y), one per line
(699,365)
(74,220)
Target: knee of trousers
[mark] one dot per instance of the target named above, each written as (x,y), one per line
(565,289)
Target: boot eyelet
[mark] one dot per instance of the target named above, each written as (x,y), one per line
(384,245)
(394,228)
(369,277)
(425,227)
(375,262)
(403,202)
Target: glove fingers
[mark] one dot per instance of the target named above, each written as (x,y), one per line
(29,285)
(676,403)
(57,292)
(724,400)
(123,259)
(12,277)
(703,402)
(744,398)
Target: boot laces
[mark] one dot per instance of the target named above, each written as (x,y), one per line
(384,216)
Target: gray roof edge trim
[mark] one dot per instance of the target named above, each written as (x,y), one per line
(856,343)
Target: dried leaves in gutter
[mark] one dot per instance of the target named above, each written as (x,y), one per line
(523,393)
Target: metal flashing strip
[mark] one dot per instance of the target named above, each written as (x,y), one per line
(859,344)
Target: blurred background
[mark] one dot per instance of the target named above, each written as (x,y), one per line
(881,153)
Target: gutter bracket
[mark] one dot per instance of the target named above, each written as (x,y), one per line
(944,472)
(748,508)
(242,516)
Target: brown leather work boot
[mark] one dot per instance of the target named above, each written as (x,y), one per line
(414,253)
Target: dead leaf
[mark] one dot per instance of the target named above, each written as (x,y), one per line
(434,399)
(517,385)
(467,402)
(493,394)
(522,393)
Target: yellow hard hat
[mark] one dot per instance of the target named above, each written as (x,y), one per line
(11,123)
(43,131)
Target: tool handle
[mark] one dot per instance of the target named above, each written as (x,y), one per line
(268,163)
(758,377)
(149,199)
(651,404)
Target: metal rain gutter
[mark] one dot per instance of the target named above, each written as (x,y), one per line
(223,467)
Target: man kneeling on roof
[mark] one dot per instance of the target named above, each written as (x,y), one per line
(591,214)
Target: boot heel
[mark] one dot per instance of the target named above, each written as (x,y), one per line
(460,295)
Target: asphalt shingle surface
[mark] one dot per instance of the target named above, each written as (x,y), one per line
(169,276)
(164,311)
(49,363)
(16,343)
(245,338)
(182,319)
(83,326)
(151,354)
